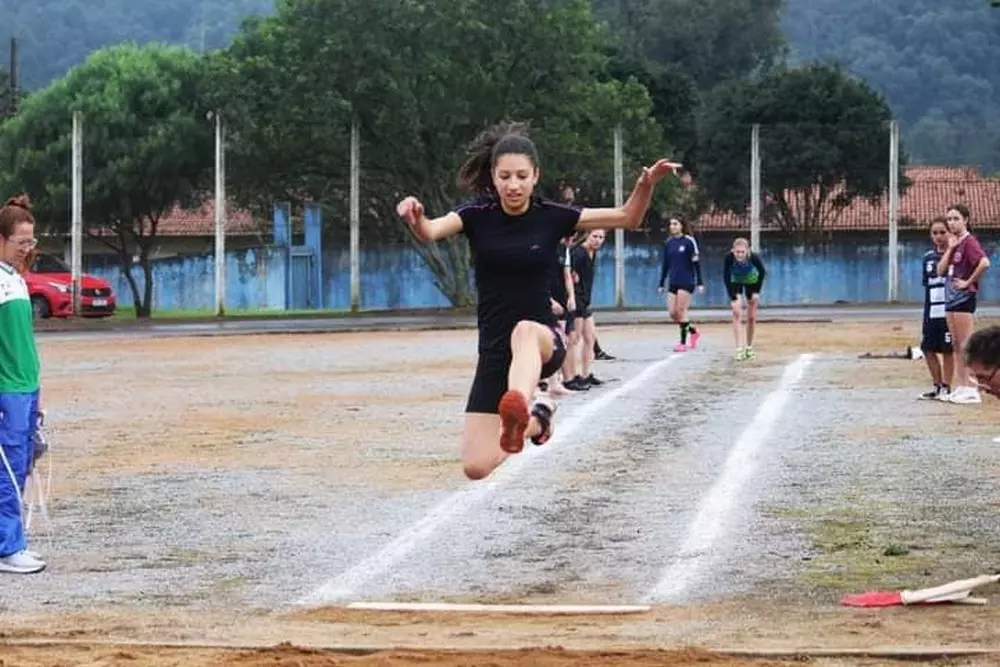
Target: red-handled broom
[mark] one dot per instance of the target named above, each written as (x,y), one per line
(956,592)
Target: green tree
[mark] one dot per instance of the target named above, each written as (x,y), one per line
(146,145)
(824,142)
(422,79)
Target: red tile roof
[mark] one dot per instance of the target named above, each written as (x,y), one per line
(932,191)
(201,222)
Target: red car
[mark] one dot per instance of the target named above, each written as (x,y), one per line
(50,285)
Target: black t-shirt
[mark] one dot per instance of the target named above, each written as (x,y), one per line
(583,266)
(562,262)
(512,256)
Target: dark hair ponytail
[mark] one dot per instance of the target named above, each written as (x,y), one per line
(508,138)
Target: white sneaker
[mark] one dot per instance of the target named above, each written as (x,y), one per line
(966,396)
(21,563)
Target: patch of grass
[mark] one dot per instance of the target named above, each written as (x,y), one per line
(847,549)
(849,555)
(896,550)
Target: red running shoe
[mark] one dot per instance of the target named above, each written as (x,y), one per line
(514,418)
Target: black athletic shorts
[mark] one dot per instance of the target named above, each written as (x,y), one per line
(583,310)
(490,381)
(566,316)
(936,338)
(968,305)
(747,290)
(569,318)
(674,289)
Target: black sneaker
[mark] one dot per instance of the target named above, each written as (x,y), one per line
(592,381)
(930,395)
(603,356)
(577,384)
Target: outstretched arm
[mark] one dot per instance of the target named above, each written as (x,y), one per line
(427,229)
(631,213)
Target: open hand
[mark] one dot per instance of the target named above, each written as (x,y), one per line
(658,171)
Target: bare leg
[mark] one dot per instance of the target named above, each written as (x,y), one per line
(589,335)
(682,301)
(481,454)
(752,306)
(482,450)
(531,345)
(934,367)
(569,365)
(948,364)
(556,387)
(737,307)
(960,325)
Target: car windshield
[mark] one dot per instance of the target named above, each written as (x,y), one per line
(49,264)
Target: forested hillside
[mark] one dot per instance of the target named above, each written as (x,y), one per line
(55,35)
(938,63)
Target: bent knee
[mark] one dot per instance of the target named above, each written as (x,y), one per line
(526,330)
(476,470)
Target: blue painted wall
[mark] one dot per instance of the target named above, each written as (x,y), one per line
(844,270)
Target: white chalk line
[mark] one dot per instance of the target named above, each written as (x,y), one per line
(723,497)
(461,502)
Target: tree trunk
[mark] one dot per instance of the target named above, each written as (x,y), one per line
(125,262)
(145,308)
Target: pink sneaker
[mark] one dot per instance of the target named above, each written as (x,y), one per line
(694,339)
(680,347)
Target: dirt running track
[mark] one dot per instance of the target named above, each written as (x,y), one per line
(203,487)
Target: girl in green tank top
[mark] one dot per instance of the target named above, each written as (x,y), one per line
(19,382)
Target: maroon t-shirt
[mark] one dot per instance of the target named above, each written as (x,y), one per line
(964,260)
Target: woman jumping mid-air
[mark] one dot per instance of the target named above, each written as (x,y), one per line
(513,236)
(681,265)
(743,272)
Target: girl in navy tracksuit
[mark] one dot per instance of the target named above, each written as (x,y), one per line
(681,267)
